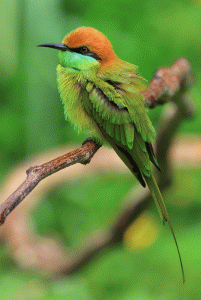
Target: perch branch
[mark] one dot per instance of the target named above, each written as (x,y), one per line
(35,174)
(167,84)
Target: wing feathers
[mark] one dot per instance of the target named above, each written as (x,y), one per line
(129,130)
(122,119)
(117,133)
(123,135)
(110,129)
(108,109)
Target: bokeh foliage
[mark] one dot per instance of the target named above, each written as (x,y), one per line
(149,34)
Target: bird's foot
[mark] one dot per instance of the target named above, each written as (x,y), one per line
(89,140)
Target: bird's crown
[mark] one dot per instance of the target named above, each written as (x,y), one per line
(94,40)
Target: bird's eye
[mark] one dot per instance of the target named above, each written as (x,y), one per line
(84,50)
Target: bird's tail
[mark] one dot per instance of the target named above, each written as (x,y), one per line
(156,194)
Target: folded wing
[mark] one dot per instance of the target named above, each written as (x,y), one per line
(122,119)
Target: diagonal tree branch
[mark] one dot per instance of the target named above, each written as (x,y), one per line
(167,84)
(35,174)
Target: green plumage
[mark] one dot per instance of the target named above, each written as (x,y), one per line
(109,106)
(111,111)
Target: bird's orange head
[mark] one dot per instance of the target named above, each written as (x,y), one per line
(92,40)
(94,47)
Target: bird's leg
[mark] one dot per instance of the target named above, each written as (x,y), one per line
(93,141)
(89,140)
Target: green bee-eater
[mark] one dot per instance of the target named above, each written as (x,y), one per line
(101,96)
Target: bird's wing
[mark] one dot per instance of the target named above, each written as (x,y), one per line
(110,113)
(123,122)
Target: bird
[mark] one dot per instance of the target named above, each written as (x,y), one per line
(101,95)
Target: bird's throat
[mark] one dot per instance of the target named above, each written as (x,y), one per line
(76,61)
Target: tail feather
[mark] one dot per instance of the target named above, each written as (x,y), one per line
(156,194)
(152,156)
(126,157)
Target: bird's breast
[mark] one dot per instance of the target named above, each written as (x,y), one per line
(71,91)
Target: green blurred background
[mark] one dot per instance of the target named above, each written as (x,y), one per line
(149,34)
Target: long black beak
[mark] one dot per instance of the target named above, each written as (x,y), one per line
(61,47)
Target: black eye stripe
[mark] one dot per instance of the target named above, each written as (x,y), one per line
(91,54)
(94,55)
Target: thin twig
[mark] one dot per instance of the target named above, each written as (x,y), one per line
(35,174)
